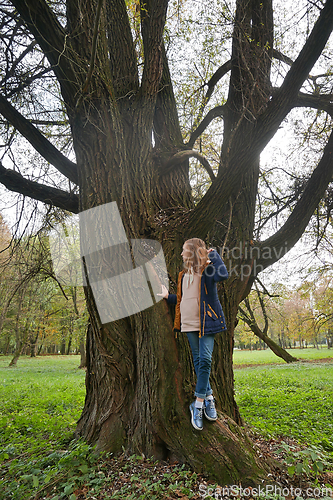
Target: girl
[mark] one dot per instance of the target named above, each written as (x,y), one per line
(199,314)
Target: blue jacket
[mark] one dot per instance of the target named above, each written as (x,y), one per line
(211,314)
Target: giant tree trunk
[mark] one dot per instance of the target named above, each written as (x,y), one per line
(140,378)
(139,385)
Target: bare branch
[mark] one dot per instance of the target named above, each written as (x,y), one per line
(9,73)
(282,57)
(266,292)
(17,183)
(25,82)
(38,141)
(218,111)
(52,39)
(219,73)
(283,100)
(291,231)
(181,156)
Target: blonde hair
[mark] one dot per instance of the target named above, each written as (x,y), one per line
(198,254)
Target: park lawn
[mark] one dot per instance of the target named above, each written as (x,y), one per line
(40,402)
(266,356)
(294,400)
(42,398)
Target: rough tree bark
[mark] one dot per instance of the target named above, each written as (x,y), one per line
(139,377)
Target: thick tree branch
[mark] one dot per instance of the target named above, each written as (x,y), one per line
(219,73)
(93,47)
(321,102)
(153,16)
(17,183)
(181,156)
(167,130)
(286,237)
(218,111)
(38,141)
(52,39)
(284,99)
(282,57)
(123,61)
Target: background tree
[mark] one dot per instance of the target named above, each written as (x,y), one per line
(110,63)
(37,311)
(247,315)
(318,295)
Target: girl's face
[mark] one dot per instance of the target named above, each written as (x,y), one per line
(186,253)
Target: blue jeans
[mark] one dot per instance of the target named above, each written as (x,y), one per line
(202,350)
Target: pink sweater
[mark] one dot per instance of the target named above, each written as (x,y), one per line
(189,305)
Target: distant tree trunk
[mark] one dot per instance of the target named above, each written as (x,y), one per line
(282,339)
(20,347)
(69,345)
(8,301)
(279,351)
(20,341)
(33,343)
(248,317)
(40,348)
(7,344)
(63,341)
(17,353)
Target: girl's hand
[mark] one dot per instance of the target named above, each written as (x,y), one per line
(210,250)
(164,294)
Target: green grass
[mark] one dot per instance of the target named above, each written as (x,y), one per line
(41,399)
(294,400)
(268,357)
